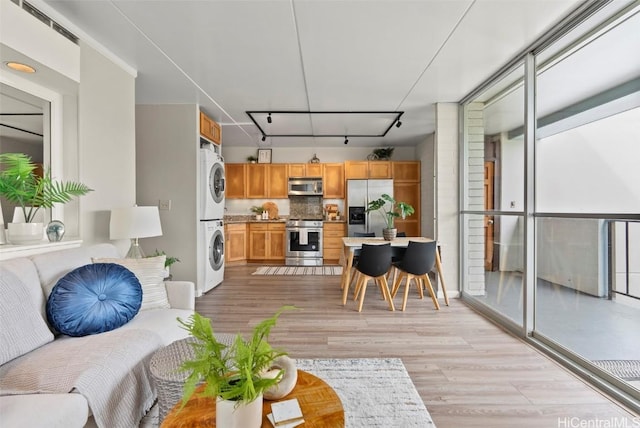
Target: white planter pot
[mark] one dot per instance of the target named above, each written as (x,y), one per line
(245,415)
(25,233)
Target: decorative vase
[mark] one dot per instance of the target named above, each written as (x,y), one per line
(55,231)
(288,380)
(231,414)
(389,234)
(25,233)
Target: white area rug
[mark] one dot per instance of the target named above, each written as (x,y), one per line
(375,392)
(299,270)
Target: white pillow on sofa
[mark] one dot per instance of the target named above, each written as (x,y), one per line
(22,328)
(150,272)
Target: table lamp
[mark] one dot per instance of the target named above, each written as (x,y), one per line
(134,223)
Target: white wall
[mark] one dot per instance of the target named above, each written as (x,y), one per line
(446,193)
(106,157)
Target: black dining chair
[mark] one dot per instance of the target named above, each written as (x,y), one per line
(356,252)
(396,255)
(374,262)
(417,262)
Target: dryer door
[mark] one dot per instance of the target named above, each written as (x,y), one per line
(216,250)
(216,182)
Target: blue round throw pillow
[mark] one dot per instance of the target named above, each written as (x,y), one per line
(93,299)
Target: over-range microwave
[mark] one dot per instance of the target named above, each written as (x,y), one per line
(305,186)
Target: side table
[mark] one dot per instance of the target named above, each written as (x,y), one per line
(164,367)
(321,407)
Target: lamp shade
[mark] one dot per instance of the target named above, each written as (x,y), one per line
(135,222)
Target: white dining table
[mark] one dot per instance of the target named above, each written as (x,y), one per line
(350,244)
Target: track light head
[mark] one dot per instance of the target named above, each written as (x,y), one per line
(398,124)
(346,140)
(264,137)
(269,118)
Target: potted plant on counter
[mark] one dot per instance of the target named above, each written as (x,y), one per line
(22,185)
(389,213)
(257,210)
(233,374)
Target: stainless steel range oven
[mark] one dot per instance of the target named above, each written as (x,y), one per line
(304,243)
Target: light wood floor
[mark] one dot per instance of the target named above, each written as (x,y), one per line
(468,371)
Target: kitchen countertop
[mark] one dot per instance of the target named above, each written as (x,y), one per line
(229,219)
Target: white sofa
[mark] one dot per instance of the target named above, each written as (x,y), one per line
(38,275)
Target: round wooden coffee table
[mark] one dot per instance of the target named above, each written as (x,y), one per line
(321,407)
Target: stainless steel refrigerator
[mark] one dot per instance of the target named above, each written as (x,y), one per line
(359,193)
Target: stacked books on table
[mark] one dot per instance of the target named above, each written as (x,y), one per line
(286,414)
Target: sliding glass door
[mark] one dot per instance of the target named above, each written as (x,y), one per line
(550,220)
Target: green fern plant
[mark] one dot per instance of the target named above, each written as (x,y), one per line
(230,372)
(20,185)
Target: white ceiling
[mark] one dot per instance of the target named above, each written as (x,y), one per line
(235,56)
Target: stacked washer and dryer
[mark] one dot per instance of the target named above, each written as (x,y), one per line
(211,201)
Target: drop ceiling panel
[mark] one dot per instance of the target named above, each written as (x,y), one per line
(491,33)
(243,54)
(368,58)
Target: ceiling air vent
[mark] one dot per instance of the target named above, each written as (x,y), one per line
(48,21)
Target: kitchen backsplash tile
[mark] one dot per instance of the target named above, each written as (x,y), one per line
(308,207)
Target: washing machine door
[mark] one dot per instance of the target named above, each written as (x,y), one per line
(216,250)
(216,182)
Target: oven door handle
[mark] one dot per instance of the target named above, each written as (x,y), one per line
(308,229)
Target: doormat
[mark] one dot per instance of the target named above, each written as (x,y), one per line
(624,369)
(299,270)
(375,392)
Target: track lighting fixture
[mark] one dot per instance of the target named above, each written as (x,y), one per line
(264,137)
(331,123)
(345,139)
(398,124)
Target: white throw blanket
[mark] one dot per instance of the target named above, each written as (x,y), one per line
(111,370)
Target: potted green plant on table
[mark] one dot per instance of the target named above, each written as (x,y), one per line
(389,209)
(234,374)
(22,185)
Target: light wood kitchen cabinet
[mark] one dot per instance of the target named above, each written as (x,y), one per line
(356,169)
(313,170)
(332,234)
(266,241)
(333,180)
(235,238)
(235,180)
(278,186)
(409,193)
(257,180)
(305,169)
(379,169)
(367,169)
(266,181)
(210,129)
(297,170)
(406,171)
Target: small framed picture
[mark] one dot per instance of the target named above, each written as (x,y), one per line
(264,155)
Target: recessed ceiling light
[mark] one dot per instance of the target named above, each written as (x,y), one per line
(18,66)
